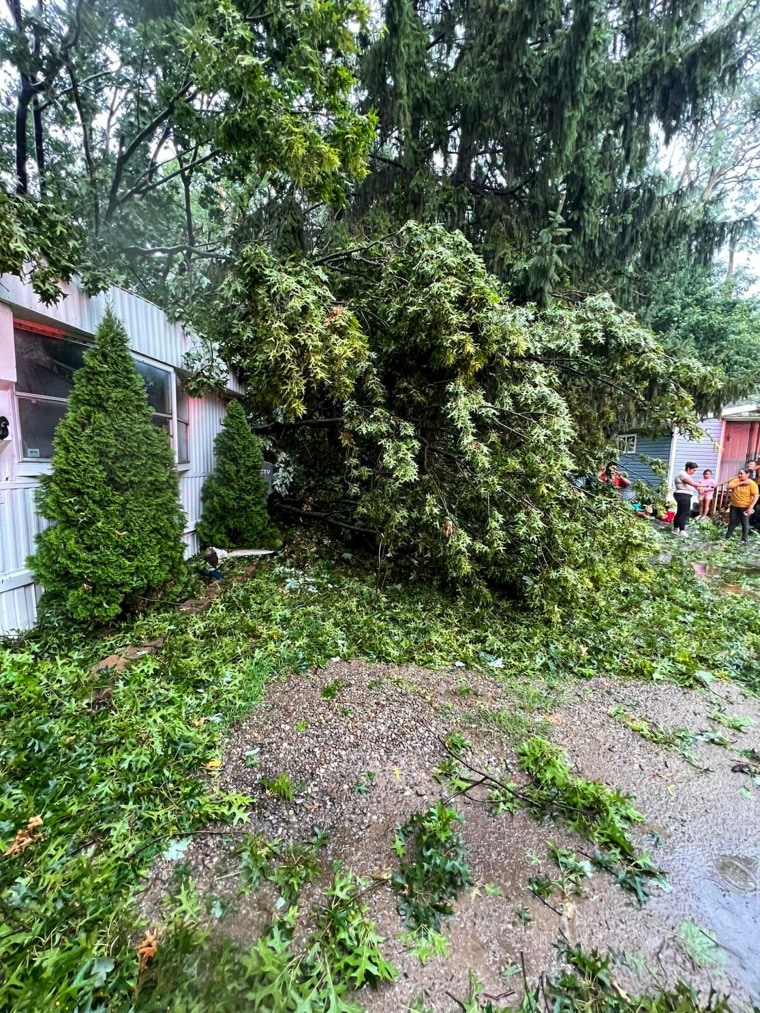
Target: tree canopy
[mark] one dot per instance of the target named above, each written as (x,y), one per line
(417,406)
(430,236)
(532,127)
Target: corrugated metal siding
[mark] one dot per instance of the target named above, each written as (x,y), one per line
(150,333)
(18,609)
(152,336)
(742,443)
(19,524)
(636,469)
(703,451)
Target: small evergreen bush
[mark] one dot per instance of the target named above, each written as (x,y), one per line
(234,494)
(113,494)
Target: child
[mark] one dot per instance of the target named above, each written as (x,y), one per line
(706,489)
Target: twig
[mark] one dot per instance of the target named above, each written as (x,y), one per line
(546,903)
(524,974)
(489,778)
(330,519)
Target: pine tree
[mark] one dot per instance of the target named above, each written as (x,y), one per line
(531,127)
(113,494)
(234,494)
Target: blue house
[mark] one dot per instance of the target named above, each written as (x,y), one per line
(674,449)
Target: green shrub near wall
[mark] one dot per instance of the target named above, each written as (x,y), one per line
(113,495)
(234,494)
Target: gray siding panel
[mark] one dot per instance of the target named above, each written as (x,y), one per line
(704,452)
(635,469)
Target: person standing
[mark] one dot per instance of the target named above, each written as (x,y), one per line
(706,489)
(684,483)
(753,470)
(744,495)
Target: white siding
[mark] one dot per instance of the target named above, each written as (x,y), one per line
(150,336)
(703,451)
(206,415)
(149,330)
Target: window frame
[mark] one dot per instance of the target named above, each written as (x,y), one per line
(622,446)
(33,466)
(183,463)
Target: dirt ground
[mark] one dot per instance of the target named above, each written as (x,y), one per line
(325,729)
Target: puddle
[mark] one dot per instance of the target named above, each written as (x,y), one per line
(741,579)
(737,873)
(723,892)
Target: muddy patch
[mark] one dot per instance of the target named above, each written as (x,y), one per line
(357,747)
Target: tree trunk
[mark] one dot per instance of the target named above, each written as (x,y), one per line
(39,147)
(22,115)
(731,252)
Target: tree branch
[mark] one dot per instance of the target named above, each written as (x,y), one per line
(141,188)
(330,520)
(271,426)
(180,248)
(51,101)
(87,148)
(126,153)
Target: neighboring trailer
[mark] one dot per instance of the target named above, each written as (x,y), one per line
(741,442)
(673,449)
(40,349)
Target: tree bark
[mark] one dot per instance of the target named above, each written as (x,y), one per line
(22,116)
(39,146)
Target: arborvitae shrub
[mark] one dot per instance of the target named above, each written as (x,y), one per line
(113,495)
(234,494)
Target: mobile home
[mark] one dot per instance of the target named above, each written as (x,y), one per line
(40,349)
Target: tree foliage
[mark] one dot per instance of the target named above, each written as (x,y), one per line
(703,315)
(440,419)
(428,343)
(531,127)
(164,129)
(112,495)
(234,494)
(37,241)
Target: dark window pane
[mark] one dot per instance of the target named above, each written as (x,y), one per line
(38,421)
(46,365)
(183,404)
(183,442)
(157,386)
(161,422)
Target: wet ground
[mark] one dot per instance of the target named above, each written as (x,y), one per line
(726,565)
(327,730)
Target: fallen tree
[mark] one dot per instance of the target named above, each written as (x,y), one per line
(411,403)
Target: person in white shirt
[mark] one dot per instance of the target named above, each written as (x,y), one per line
(684,483)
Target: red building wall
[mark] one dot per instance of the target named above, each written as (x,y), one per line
(741,443)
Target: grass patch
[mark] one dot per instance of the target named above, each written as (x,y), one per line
(281,787)
(701,946)
(680,739)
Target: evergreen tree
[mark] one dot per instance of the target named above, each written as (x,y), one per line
(234,494)
(532,127)
(113,494)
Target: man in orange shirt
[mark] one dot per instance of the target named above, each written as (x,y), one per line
(744,495)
